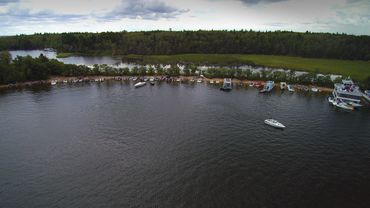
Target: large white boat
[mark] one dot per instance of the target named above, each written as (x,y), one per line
(140,84)
(274,123)
(227,86)
(347,92)
(268,86)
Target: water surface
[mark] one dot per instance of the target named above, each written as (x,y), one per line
(111,145)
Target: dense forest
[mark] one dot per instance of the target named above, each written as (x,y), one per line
(314,45)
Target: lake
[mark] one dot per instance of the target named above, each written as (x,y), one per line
(111,145)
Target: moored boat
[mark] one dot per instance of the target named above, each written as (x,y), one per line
(283,85)
(274,123)
(268,87)
(54,82)
(290,88)
(342,105)
(227,86)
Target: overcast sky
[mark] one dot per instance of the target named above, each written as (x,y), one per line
(31,16)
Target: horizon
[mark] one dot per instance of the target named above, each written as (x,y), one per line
(28,17)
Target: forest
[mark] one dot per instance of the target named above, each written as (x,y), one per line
(285,43)
(23,69)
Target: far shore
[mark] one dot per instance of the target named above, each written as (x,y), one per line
(60,79)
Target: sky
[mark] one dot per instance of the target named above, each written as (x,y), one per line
(40,16)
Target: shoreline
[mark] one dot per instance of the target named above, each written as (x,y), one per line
(60,79)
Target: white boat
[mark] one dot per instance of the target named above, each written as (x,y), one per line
(347,92)
(65,81)
(251,84)
(274,123)
(342,105)
(290,88)
(54,82)
(199,81)
(211,82)
(140,84)
(269,85)
(314,89)
(178,80)
(283,85)
(331,100)
(227,86)
(151,79)
(217,82)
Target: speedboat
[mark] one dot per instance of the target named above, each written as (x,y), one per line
(268,87)
(314,89)
(227,86)
(290,88)
(282,85)
(331,100)
(274,123)
(343,105)
(140,84)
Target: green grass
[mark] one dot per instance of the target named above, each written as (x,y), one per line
(66,55)
(358,70)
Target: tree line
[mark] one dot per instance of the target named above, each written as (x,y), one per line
(312,45)
(23,69)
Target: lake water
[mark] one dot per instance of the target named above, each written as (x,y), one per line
(111,145)
(80,60)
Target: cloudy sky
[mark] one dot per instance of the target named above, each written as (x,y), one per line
(31,16)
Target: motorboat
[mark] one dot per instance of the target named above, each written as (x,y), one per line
(283,85)
(217,82)
(199,80)
(211,82)
(314,89)
(54,82)
(342,105)
(251,84)
(274,123)
(331,100)
(227,86)
(140,84)
(348,93)
(268,87)
(151,79)
(290,88)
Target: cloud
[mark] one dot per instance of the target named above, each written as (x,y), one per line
(143,9)
(251,2)
(5,2)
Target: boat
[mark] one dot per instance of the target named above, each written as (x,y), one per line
(227,86)
(178,80)
(54,82)
(274,123)
(331,100)
(151,79)
(283,85)
(211,82)
(199,80)
(290,88)
(152,83)
(342,105)
(65,81)
(217,82)
(268,87)
(348,93)
(140,84)
(251,84)
(314,89)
